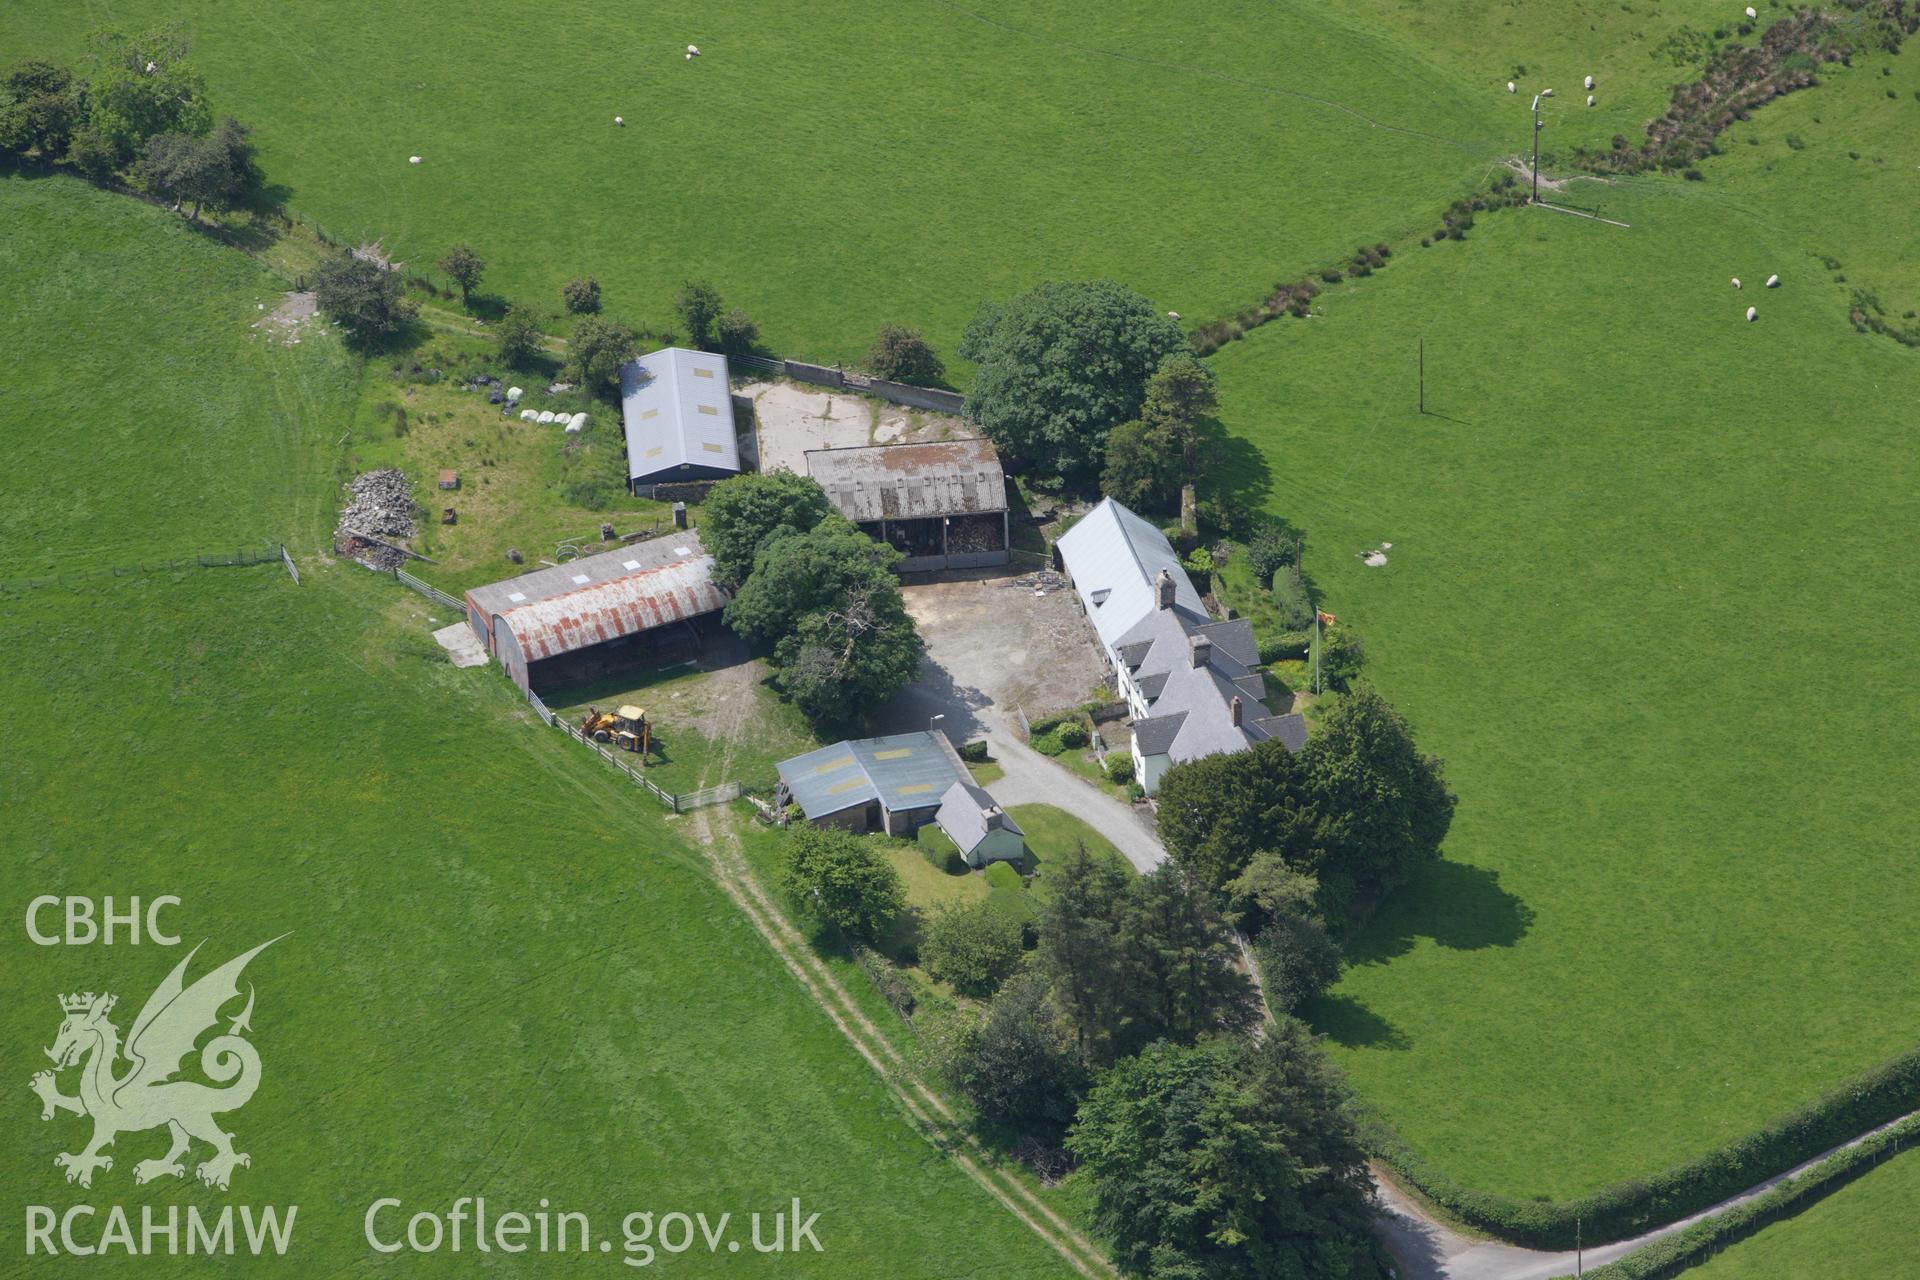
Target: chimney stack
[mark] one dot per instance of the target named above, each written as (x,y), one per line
(1236,711)
(1163,590)
(1201,650)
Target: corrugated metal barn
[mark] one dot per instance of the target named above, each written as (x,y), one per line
(678,414)
(942,504)
(634,606)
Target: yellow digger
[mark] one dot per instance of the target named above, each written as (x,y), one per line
(626,728)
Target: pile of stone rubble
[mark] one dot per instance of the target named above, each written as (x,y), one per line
(381,511)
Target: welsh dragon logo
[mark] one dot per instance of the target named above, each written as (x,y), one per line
(147,1094)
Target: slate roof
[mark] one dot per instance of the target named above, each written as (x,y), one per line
(968,813)
(911,481)
(603,597)
(901,771)
(678,412)
(1114,566)
(1113,557)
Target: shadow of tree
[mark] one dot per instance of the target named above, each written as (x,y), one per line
(1351,1024)
(934,692)
(1460,907)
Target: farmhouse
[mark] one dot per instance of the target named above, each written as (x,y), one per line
(679,418)
(640,604)
(897,784)
(942,504)
(1188,680)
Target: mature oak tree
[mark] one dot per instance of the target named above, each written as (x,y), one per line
(1059,367)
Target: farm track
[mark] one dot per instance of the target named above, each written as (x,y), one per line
(714,833)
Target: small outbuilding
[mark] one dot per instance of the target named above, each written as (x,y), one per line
(942,504)
(637,606)
(979,827)
(678,413)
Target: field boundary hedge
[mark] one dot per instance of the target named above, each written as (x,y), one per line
(1874,1098)
(1671,1255)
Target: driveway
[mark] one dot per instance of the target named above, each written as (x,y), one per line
(997,641)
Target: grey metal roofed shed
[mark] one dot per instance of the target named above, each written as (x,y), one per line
(903,775)
(678,413)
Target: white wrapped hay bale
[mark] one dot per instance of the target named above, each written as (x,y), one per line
(528,415)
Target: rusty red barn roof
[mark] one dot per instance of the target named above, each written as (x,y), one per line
(604,597)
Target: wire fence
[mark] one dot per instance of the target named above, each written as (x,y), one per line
(272,552)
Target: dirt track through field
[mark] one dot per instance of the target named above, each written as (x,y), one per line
(715,834)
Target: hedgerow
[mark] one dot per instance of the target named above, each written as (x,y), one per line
(1628,1208)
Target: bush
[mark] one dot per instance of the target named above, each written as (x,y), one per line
(1342,654)
(581,297)
(840,879)
(1286,646)
(1119,769)
(1047,744)
(903,355)
(974,752)
(1271,550)
(973,947)
(518,336)
(940,851)
(1072,735)
(736,332)
(363,297)
(1291,604)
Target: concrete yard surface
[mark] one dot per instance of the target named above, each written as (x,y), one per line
(790,419)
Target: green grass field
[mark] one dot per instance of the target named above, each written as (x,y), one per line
(1647,597)
(1650,592)
(1862,1230)
(506,975)
(869,163)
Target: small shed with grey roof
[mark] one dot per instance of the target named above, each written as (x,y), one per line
(894,784)
(641,604)
(979,827)
(678,413)
(941,503)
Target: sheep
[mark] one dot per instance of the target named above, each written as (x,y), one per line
(1589,99)
(621,121)
(1753,313)
(1589,82)
(1511,87)
(1752,12)
(693,51)
(1736,282)
(1773,282)
(413,159)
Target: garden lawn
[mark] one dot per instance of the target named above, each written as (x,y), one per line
(1864,1229)
(1651,595)
(504,974)
(872,163)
